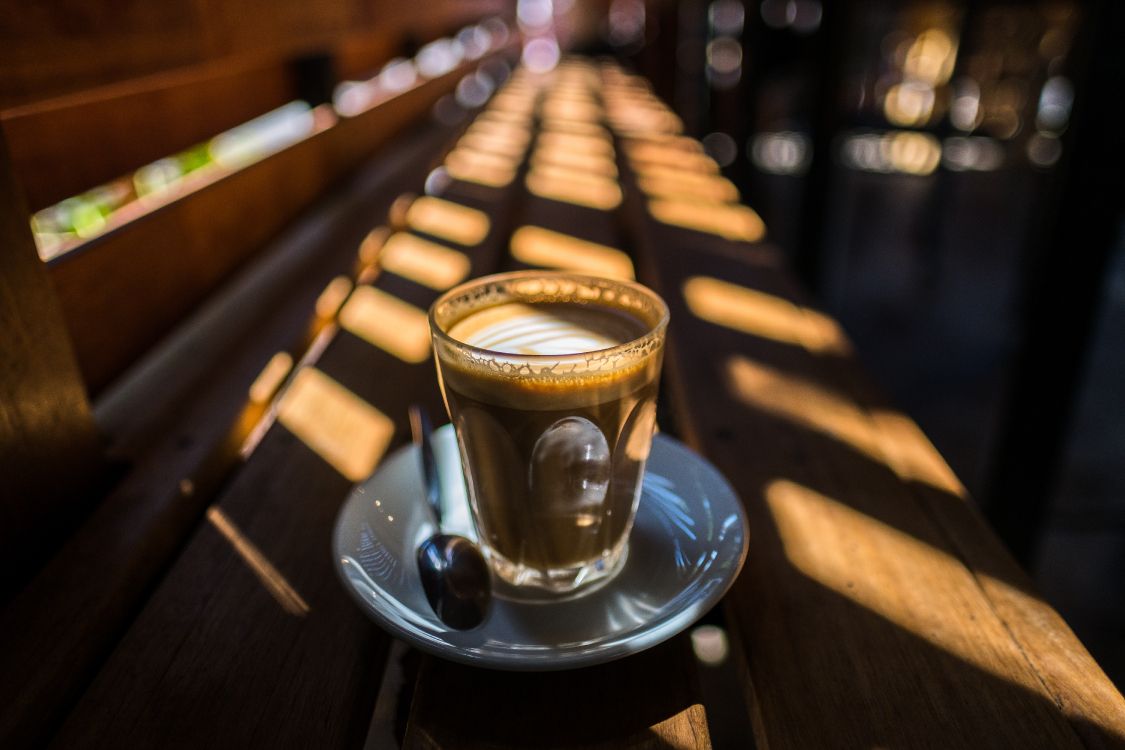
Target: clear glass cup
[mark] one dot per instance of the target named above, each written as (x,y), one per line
(550,379)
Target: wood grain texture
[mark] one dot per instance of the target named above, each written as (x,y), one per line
(188,426)
(49,448)
(223,660)
(873,591)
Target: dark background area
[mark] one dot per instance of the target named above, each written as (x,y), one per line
(946,177)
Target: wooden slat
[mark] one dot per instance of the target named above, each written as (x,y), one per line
(180,428)
(856,599)
(49,449)
(221,676)
(125,289)
(215,658)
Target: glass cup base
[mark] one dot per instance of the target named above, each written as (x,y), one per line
(524,584)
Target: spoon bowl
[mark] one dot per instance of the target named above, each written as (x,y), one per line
(456,580)
(454,574)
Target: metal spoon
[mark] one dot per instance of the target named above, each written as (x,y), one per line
(454,573)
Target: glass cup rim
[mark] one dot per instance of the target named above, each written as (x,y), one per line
(654,331)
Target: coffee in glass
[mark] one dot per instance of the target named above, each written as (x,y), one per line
(550,379)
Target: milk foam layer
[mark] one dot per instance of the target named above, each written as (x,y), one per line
(546,328)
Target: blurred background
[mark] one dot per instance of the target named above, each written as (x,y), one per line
(945,177)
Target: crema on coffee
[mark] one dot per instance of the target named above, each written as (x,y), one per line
(552,390)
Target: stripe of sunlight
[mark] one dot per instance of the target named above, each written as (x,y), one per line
(537,246)
(908,454)
(660,171)
(765,315)
(466,156)
(597,193)
(387,322)
(333,296)
(424,262)
(370,247)
(494,129)
(504,116)
(574,160)
(733,222)
(350,434)
(798,400)
(714,190)
(503,145)
(570,174)
(575,127)
(480,174)
(671,156)
(911,454)
(253,419)
(583,111)
(896,576)
(271,377)
(593,144)
(273,581)
(666,140)
(448,220)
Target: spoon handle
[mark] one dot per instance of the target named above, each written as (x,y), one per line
(421,431)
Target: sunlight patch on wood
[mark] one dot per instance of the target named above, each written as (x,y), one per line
(424,262)
(537,246)
(350,434)
(385,321)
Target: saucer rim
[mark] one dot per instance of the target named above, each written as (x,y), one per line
(642,639)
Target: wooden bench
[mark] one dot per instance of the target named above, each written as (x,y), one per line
(875,608)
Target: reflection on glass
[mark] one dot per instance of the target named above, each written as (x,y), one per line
(340,427)
(448,220)
(761,314)
(275,583)
(591,191)
(537,246)
(385,321)
(730,221)
(424,262)
(271,377)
